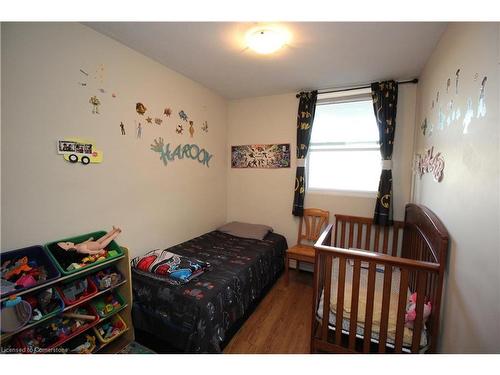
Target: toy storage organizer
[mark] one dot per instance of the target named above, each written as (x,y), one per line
(105,295)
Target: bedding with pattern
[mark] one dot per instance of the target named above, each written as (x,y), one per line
(195,317)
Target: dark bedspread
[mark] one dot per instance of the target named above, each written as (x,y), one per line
(196,316)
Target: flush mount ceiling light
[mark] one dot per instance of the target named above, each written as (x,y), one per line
(266,40)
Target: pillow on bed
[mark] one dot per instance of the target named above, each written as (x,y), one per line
(246,230)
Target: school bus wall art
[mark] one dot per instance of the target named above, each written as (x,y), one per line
(80,150)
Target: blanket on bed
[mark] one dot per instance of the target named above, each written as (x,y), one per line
(201,315)
(175,269)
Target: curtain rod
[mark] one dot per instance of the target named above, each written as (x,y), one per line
(326,91)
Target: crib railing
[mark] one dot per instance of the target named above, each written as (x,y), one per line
(420,270)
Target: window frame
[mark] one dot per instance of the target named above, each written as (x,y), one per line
(336,98)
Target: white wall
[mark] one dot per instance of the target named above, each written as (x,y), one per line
(45,198)
(265,196)
(467,200)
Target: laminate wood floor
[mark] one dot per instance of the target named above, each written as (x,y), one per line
(281,323)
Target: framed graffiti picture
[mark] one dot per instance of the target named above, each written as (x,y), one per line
(261,156)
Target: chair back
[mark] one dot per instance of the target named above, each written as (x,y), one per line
(311,225)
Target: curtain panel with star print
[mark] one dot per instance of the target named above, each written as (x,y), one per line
(385,99)
(305,118)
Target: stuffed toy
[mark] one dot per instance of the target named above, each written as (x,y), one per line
(411,313)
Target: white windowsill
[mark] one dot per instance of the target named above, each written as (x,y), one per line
(346,193)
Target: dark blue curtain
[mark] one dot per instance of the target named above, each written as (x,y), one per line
(385,100)
(305,118)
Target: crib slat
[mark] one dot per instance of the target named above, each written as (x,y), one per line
(342,234)
(326,299)
(400,323)
(340,301)
(377,238)
(395,242)
(369,307)
(418,324)
(386,298)
(360,233)
(353,320)
(386,240)
(351,232)
(368,238)
(336,232)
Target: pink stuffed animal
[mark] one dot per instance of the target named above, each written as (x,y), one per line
(411,313)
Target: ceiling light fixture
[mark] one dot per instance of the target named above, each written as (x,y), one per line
(266,40)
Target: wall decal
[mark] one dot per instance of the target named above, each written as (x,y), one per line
(94,100)
(113,95)
(183,116)
(122,128)
(437,97)
(179,129)
(429,163)
(191,128)
(84,72)
(204,127)
(481,107)
(83,84)
(167,111)
(448,84)
(79,150)
(139,131)
(140,108)
(102,91)
(158,121)
(457,78)
(424,126)
(469,114)
(188,151)
(149,120)
(441,119)
(261,156)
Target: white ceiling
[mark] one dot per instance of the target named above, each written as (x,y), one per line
(319,55)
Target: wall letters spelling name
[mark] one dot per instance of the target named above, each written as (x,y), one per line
(191,151)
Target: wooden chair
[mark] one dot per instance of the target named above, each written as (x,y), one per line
(310,228)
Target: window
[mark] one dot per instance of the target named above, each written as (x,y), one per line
(344,152)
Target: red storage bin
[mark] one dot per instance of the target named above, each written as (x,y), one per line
(70,297)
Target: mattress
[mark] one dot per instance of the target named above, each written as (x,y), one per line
(377,305)
(199,316)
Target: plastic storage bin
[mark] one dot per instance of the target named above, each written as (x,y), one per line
(76,286)
(63,259)
(57,310)
(114,320)
(107,278)
(33,253)
(100,302)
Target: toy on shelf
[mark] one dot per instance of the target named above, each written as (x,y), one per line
(110,329)
(107,278)
(86,347)
(21,273)
(45,303)
(56,330)
(90,246)
(77,290)
(108,304)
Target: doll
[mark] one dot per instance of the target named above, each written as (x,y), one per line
(90,246)
(411,313)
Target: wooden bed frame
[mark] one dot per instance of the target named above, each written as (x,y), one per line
(418,247)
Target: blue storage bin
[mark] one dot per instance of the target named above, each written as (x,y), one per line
(34,254)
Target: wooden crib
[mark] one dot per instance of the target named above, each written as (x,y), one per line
(412,254)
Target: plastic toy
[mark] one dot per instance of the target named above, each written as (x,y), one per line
(411,313)
(79,149)
(76,289)
(21,273)
(107,278)
(90,246)
(86,347)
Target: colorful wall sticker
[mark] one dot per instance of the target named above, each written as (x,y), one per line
(149,120)
(179,129)
(94,100)
(429,163)
(139,130)
(469,114)
(167,111)
(158,121)
(457,79)
(191,129)
(481,107)
(140,108)
(448,84)
(261,156)
(204,127)
(188,151)
(183,116)
(441,118)
(424,126)
(79,150)
(122,128)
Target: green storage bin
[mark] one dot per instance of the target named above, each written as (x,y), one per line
(101,300)
(62,259)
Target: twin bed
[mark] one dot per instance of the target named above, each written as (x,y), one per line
(200,316)
(368,276)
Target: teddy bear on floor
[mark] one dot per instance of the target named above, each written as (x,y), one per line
(411,313)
